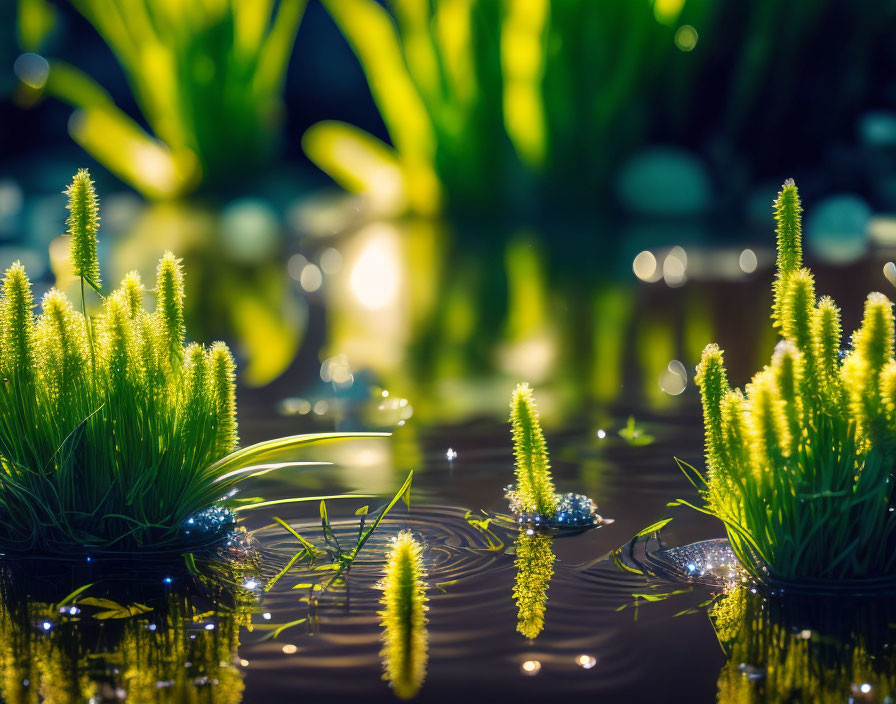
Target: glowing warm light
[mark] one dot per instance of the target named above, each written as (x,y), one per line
(644,266)
(686,37)
(586,661)
(289,649)
(748,261)
(321,407)
(530,667)
(337,370)
(294,266)
(311,278)
(244,662)
(376,276)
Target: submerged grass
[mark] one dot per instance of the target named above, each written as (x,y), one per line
(800,464)
(113,431)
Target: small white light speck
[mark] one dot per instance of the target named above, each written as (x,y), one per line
(601,433)
(451,455)
(250,584)
(46,625)
(209,626)
(865,688)
(266,616)
(530,532)
(289,649)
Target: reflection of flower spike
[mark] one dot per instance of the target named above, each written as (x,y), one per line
(404,617)
(534,569)
(534,487)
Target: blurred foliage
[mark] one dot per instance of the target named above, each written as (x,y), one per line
(206,76)
(536,103)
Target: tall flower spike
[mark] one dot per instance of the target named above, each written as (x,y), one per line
(872,350)
(787,364)
(132,288)
(116,339)
(403,617)
(170,304)
(534,569)
(222,373)
(769,432)
(787,211)
(17,322)
(712,379)
(534,485)
(825,327)
(61,344)
(736,450)
(83,224)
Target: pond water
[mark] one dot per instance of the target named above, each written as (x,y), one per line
(607,631)
(433,359)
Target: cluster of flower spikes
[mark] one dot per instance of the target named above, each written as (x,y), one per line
(142,397)
(803,434)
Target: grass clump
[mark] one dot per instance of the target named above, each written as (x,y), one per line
(534,492)
(799,464)
(404,616)
(113,431)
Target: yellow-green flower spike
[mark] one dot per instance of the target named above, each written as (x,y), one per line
(60,344)
(872,350)
(405,649)
(132,288)
(826,333)
(170,304)
(787,210)
(768,430)
(534,485)
(17,322)
(83,224)
(712,380)
(787,364)
(222,375)
(534,569)
(116,339)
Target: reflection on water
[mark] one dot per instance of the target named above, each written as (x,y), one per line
(142,639)
(534,568)
(815,651)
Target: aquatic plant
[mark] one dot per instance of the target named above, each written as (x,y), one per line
(207,82)
(404,616)
(534,568)
(799,465)
(115,434)
(535,492)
